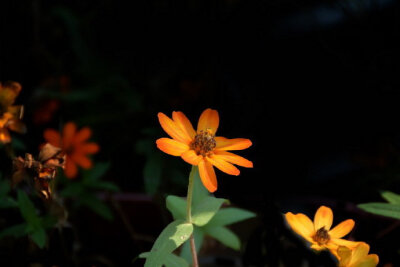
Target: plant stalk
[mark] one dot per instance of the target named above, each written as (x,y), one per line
(189,215)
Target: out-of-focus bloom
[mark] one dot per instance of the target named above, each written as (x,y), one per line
(10,114)
(319,232)
(357,257)
(74,145)
(202,148)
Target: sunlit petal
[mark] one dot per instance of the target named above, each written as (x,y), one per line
(191,157)
(172,129)
(183,122)
(344,255)
(232,144)
(323,218)
(207,175)
(234,159)
(209,120)
(301,224)
(223,165)
(360,252)
(342,229)
(171,146)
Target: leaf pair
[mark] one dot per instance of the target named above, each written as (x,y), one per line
(391,209)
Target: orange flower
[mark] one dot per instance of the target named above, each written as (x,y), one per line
(357,257)
(319,232)
(10,115)
(202,148)
(73,144)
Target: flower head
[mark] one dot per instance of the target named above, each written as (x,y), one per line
(74,146)
(357,257)
(202,148)
(319,232)
(10,114)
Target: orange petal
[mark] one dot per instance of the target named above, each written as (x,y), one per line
(369,261)
(301,224)
(183,122)
(209,120)
(81,160)
(234,159)
(172,129)
(360,252)
(82,135)
(207,175)
(71,170)
(89,148)
(171,146)
(4,136)
(232,144)
(53,137)
(191,157)
(223,165)
(323,218)
(342,229)
(344,256)
(69,131)
(344,242)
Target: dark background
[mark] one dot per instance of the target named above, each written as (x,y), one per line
(314,85)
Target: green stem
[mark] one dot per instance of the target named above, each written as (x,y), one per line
(189,214)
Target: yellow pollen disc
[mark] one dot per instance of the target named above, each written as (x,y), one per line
(321,236)
(203,143)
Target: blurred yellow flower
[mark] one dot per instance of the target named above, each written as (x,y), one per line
(357,257)
(319,232)
(202,148)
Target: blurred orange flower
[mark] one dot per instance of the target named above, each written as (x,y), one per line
(319,232)
(10,114)
(202,148)
(357,257)
(74,146)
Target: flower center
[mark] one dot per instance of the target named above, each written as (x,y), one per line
(203,143)
(322,236)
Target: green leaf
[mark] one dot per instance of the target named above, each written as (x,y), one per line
(48,221)
(39,237)
(15,230)
(205,210)
(27,209)
(4,187)
(198,235)
(384,209)
(96,172)
(72,190)
(171,260)
(170,238)
(103,185)
(199,191)
(17,144)
(97,206)
(225,236)
(228,216)
(391,197)
(8,202)
(152,173)
(177,206)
